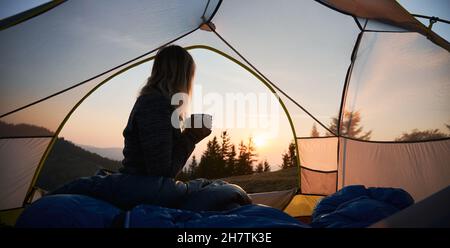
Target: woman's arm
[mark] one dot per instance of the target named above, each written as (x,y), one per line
(181,152)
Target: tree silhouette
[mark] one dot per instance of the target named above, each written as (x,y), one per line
(314,132)
(266,166)
(251,152)
(228,153)
(285,161)
(193,166)
(246,158)
(350,126)
(289,158)
(230,162)
(221,160)
(416,135)
(259,168)
(225,145)
(211,164)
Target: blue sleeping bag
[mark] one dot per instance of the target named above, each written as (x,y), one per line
(68,211)
(127,191)
(352,206)
(249,216)
(355,206)
(79,211)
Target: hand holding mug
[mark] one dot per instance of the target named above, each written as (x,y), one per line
(198,126)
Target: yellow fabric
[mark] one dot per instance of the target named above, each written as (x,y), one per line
(9,217)
(302,205)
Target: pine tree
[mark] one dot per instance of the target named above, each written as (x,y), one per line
(417,134)
(292,155)
(241,160)
(350,126)
(289,158)
(227,154)
(314,132)
(285,161)
(251,152)
(246,158)
(211,163)
(230,163)
(226,145)
(192,169)
(266,166)
(259,168)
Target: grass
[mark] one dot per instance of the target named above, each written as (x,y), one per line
(266,181)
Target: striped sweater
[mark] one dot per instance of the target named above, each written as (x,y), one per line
(152,145)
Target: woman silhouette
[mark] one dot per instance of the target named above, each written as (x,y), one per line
(154,142)
(156,148)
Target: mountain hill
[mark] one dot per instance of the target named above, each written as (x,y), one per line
(68,161)
(113,153)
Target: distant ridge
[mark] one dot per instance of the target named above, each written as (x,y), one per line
(113,153)
(65,162)
(68,161)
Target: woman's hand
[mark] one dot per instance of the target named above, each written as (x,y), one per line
(198,127)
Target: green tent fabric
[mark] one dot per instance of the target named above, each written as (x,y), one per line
(372,64)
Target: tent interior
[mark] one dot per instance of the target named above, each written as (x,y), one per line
(369,78)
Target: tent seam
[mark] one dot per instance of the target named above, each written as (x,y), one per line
(319,171)
(28,14)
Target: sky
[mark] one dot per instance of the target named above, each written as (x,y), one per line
(313,77)
(107,118)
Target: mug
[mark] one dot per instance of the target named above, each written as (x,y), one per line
(199,121)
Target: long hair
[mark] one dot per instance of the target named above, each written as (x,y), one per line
(172,72)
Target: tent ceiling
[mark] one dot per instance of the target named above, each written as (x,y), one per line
(79,39)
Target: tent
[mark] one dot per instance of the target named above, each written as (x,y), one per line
(363,58)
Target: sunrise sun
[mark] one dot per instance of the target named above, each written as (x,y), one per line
(260,141)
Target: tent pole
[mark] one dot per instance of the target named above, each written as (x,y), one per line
(342,106)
